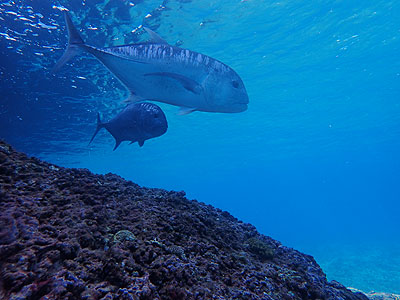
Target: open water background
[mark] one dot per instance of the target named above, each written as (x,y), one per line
(314,162)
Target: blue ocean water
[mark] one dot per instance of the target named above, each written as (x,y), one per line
(315,160)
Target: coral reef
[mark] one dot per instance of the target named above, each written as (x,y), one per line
(260,248)
(70,234)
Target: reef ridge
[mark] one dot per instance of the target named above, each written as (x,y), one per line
(71,234)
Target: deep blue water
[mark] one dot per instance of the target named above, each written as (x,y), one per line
(315,160)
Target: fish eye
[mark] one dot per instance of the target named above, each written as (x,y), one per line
(235,84)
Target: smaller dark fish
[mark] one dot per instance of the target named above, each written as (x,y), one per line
(136,123)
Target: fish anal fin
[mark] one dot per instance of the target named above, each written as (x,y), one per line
(154,37)
(186,110)
(188,83)
(141,143)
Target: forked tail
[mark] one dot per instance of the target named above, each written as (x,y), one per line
(100,125)
(75,43)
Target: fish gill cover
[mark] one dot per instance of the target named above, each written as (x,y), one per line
(319,145)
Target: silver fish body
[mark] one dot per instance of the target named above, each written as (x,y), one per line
(157,71)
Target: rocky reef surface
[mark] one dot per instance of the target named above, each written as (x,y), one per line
(70,234)
(377,295)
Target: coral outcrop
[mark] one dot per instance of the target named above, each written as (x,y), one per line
(70,234)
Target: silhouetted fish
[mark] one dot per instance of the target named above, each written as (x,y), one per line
(136,123)
(160,72)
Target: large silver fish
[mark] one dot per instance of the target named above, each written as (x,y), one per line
(157,71)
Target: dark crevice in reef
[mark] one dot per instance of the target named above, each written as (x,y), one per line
(70,234)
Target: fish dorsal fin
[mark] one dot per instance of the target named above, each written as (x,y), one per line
(188,83)
(141,143)
(154,37)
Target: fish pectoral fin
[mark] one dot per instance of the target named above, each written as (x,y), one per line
(186,110)
(154,37)
(132,98)
(141,143)
(188,83)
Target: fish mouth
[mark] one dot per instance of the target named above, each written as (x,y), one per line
(243,106)
(243,100)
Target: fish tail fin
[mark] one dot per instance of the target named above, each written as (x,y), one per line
(117,143)
(100,125)
(75,43)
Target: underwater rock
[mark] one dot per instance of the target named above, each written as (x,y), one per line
(64,235)
(377,296)
(382,296)
(123,235)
